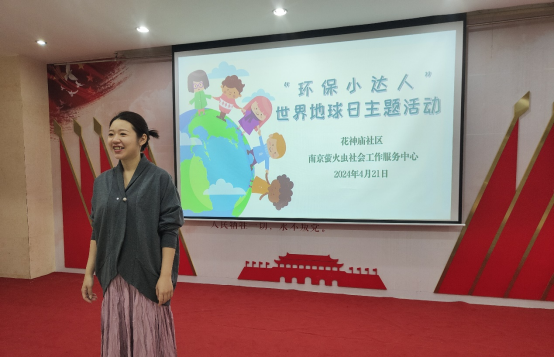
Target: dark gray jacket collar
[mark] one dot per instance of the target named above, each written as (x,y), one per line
(143,164)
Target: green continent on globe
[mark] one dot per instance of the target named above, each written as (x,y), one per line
(214,127)
(194,181)
(241,203)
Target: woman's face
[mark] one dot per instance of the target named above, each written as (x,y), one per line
(123,141)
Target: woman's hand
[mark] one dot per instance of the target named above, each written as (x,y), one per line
(164,289)
(86,289)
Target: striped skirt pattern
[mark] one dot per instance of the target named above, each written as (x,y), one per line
(135,326)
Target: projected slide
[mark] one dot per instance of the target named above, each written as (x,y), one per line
(363,129)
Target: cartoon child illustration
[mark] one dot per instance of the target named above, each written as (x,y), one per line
(274,148)
(256,113)
(197,82)
(232,88)
(279,191)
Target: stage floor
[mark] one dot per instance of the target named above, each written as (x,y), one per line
(47,317)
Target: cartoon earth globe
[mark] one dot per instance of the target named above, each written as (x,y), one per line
(215,171)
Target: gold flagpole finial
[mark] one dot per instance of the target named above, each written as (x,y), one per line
(97,127)
(57,129)
(522,105)
(77,128)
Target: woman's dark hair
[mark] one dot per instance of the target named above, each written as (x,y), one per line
(139,126)
(198,76)
(285,191)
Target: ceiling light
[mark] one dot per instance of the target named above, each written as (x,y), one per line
(279,11)
(142,29)
(41,42)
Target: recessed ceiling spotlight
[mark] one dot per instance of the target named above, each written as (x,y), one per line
(279,11)
(142,29)
(41,42)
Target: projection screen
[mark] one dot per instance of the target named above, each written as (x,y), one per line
(360,124)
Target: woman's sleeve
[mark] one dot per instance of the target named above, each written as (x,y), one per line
(92,204)
(171,216)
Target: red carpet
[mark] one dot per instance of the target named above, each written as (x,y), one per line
(47,317)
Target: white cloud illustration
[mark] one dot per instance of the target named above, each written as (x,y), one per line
(225,69)
(223,188)
(186,140)
(259,92)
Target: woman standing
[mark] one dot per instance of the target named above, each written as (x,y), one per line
(134,249)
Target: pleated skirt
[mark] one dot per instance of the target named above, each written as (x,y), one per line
(135,326)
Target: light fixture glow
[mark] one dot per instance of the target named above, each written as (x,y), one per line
(142,29)
(279,11)
(41,42)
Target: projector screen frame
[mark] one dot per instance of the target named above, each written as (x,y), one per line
(329,32)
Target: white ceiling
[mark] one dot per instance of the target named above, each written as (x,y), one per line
(91,29)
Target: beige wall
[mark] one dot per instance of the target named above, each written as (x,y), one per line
(26,211)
